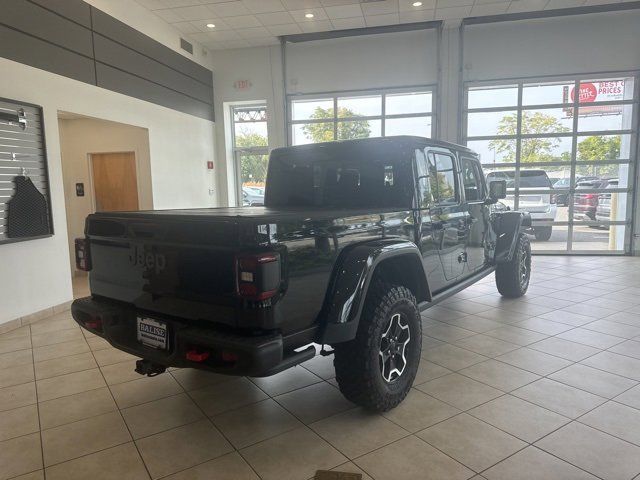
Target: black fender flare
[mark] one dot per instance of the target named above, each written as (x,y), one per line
(508,226)
(350,282)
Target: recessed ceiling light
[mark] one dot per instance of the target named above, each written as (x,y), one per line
(309,15)
(417,4)
(210,25)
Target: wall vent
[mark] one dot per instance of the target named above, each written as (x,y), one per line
(186,46)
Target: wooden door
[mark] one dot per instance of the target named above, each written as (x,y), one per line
(115,181)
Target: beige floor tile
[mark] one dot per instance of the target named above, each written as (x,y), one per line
(428,371)
(516,335)
(51,338)
(293,455)
(419,410)
(16,375)
(18,422)
(120,372)
(593,380)
(19,332)
(48,352)
(447,333)
(614,328)
(541,325)
(64,365)
(321,366)
(631,397)
(564,349)
(228,467)
(20,455)
(499,375)
(558,397)
(96,343)
(37,475)
(107,356)
(79,406)
(625,318)
(160,415)
(83,437)
(630,348)
(503,316)
(216,399)
(589,310)
(594,451)
(442,314)
(410,459)
(192,379)
(145,389)
(14,344)
(62,321)
(286,381)
(122,463)
(13,359)
(356,432)
(486,345)
(568,318)
(351,467)
(458,437)
(17,396)
(520,418)
(534,361)
(475,323)
(460,391)
(534,464)
(591,338)
(315,402)
(69,384)
(182,447)
(614,363)
(452,357)
(616,419)
(255,422)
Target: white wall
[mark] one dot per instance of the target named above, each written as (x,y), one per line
(79,138)
(180,146)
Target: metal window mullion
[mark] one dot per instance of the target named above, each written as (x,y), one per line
(516,203)
(335,118)
(574,156)
(384,113)
(634,171)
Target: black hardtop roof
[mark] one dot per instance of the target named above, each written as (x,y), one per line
(399,140)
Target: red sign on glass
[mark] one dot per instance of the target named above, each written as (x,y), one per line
(588,93)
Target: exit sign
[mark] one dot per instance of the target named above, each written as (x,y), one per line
(242,85)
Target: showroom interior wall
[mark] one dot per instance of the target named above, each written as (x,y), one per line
(79,138)
(180,145)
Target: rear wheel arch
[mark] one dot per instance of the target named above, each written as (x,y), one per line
(405,270)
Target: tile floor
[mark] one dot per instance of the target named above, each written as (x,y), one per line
(544,387)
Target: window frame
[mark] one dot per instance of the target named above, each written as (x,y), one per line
(382,117)
(456,178)
(479,176)
(238,152)
(575,133)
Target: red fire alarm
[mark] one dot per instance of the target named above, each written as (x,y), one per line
(209,165)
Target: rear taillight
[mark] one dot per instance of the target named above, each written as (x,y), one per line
(83,254)
(258,275)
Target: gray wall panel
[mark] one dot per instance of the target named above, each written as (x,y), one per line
(32,51)
(123,58)
(124,34)
(75,10)
(122,82)
(39,22)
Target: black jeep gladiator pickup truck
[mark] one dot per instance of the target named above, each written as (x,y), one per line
(355,239)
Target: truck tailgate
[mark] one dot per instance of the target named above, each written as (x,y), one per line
(170,265)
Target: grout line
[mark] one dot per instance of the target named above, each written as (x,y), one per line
(35,387)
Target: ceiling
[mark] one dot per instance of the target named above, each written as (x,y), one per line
(250,23)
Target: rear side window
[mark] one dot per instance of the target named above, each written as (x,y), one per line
(534,179)
(442,178)
(472,180)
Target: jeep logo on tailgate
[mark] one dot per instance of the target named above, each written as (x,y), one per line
(147,260)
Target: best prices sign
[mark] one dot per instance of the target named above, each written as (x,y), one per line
(590,92)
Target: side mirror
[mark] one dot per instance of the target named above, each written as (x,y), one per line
(497,191)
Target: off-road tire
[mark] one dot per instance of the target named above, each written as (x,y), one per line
(511,280)
(357,362)
(543,233)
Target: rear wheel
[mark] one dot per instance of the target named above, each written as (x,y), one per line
(377,368)
(542,233)
(512,277)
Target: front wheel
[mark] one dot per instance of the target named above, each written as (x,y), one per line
(377,368)
(512,277)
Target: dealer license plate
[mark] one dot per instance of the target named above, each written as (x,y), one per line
(152,333)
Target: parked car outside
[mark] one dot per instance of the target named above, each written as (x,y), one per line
(541,206)
(252,196)
(603,210)
(585,205)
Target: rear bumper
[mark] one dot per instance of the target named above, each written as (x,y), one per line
(117,323)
